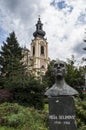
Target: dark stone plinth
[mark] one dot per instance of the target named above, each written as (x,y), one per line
(62,113)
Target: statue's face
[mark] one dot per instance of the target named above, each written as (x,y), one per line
(59,69)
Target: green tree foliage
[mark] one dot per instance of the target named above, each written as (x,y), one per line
(81,112)
(31,95)
(49,79)
(25,89)
(10,61)
(74,76)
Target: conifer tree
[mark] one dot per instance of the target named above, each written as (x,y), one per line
(11,65)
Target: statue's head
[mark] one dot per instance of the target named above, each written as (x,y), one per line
(59,69)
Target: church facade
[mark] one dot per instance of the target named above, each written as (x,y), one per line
(37,59)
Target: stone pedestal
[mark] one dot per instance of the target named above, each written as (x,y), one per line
(62,113)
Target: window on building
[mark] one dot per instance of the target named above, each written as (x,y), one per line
(42,67)
(33,50)
(42,50)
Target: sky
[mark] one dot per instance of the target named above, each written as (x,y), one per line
(64,22)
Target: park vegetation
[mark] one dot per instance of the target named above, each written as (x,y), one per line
(22,100)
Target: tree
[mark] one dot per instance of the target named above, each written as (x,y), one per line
(74,76)
(11,65)
(49,79)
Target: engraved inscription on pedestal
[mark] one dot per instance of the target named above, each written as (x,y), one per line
(62,113)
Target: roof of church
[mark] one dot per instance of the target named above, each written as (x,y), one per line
(39,31)
(25,49)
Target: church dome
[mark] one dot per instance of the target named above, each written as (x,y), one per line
(39,31)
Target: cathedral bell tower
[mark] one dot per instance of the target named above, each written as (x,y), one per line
(39,50)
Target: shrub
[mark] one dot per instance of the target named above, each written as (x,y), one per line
(15,116)
(81,113)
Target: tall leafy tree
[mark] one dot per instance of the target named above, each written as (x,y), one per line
(74,76)
(49,78)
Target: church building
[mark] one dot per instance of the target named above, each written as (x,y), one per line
(37,58)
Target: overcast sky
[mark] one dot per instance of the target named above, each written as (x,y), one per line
(64,22)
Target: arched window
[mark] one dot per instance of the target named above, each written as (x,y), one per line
(42,50)
(42,67)
(33,50)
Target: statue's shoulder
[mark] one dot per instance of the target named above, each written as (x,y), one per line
(49,91)
(70,90)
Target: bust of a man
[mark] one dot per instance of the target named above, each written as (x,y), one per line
(60,87)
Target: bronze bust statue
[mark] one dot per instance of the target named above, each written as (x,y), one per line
(60,87)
